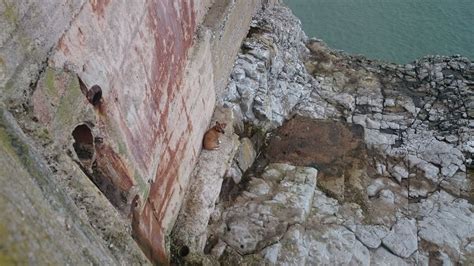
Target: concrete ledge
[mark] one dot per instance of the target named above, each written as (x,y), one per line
(229,21)
(206,180)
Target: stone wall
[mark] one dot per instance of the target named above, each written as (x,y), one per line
(155,67)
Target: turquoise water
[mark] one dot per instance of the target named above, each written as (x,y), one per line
(392,30)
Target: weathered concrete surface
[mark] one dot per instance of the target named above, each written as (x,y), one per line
(40,223)
(224,20)
(190,230)
(158,63)
(30,30)
(153,109)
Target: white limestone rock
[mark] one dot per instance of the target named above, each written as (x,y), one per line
(371,235)
(383,257)
(293,250)
(402,239)
(399,172)
(335,245)
(447,222)
(261,216)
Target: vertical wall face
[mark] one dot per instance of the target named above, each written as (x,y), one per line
(152,114)
(157,74)
(137,55)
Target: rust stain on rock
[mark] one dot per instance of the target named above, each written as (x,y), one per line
(336,149)
(113,167)
(305,142)
(98,6)
(147,231)
(63,46)
(161,189)
(173,31)
(159,200)
(172,24)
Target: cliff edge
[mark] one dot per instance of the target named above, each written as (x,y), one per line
(342,159)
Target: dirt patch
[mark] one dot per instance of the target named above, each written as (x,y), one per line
(336,149)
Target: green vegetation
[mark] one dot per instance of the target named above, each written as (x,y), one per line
(10,12)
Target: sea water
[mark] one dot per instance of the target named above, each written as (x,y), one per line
(391,30)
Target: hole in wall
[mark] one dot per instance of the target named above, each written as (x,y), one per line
(183,251)
(98,166)
(94,95)
(83,144)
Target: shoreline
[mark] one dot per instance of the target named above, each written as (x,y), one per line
(398,32)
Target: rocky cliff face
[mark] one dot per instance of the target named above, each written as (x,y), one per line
(327,158)
(360,161)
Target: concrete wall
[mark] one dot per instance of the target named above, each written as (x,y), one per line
(158,63)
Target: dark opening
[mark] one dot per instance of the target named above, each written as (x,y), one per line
(83,143)
(101,178)
(183,251)
(210,244)
(94,95)
(97,167)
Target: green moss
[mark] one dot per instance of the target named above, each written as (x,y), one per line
(16,148)
(12,253)
(12,17)
(11,144)
(10,12)
(8,89)
(43,134)
(70,99)
(5,141)
(49,81)
(121,148)
(70,103)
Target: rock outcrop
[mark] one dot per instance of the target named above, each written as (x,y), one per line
(392,146)
(328,158)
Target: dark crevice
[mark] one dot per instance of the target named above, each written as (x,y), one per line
(84,147)
(83,144)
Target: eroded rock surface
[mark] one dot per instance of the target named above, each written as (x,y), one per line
(393,145)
